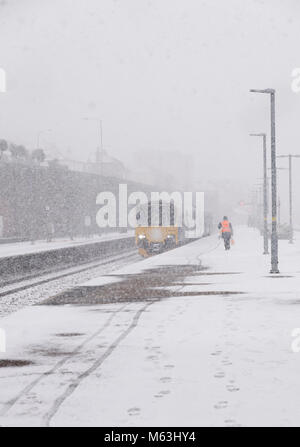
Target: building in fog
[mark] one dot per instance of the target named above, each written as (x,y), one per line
(170,170)
(108,166)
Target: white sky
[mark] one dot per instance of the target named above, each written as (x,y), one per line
(162,74)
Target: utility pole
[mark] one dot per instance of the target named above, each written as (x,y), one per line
(291,200)
(278,197)
(99,153)
(265,191)
(101,149)
(39,136)
(290,157)
(2,81)
(274,236)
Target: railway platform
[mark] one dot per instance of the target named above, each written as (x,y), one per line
(15,249)
(25,260)
(193,337)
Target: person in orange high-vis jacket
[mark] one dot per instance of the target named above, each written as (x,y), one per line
(226,231)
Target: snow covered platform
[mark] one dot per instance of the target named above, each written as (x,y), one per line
(193,337)
(24,260)
(26,248)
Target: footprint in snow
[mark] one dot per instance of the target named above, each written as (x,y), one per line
(165,379)
(216,353)
(221,405)
(232,388)
(162,394)
(152,357)
(231,423)
(134,411)
(226,363)
(219,375)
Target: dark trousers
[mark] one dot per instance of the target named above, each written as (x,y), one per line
(226,236)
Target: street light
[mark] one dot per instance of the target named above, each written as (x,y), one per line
(278,198)
(257,204)
(266,241)
(99,153)
(274,236)
(290,157)
(39,135)
(2,81)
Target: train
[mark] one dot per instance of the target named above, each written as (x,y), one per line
(157,229)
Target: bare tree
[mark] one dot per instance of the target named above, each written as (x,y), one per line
(18,152)
(3,147)
(38,155)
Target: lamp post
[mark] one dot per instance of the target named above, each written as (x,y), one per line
(274,236)
(99,153)
(256,202)
(4,148)
(290,157)
(39,136)
(278,198)
(2,81)
(266,241)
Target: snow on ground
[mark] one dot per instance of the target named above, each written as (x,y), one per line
(31,291)
(206,360)
(24,248)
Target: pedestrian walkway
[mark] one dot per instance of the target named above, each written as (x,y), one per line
(193,337)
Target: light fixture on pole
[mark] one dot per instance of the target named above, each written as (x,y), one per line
(99,153)
(278,198)
(274,236)
(266,239)
(290,157)
(39,136)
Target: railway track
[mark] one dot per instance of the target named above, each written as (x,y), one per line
(36,277)
(35,288)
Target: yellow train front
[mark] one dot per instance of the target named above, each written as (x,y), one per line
(153,240)
(157,237)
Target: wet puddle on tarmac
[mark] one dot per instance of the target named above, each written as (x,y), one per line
(6,363)
(151,284)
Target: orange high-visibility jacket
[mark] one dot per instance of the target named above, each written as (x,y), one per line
(225,227)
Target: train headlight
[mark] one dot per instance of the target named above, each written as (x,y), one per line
(142,236)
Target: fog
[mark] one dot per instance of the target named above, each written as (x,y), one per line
(138,253)
(167,77)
